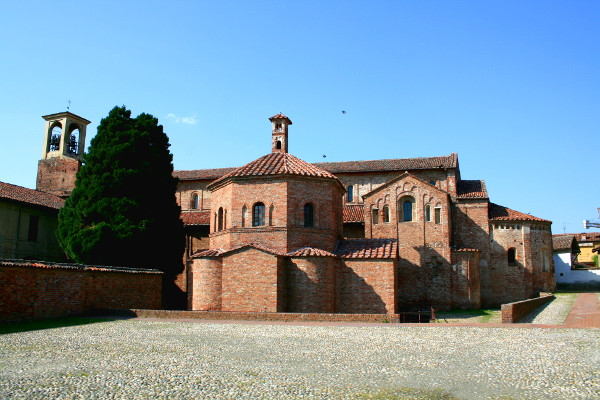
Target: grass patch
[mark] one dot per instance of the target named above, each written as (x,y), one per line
(470,315)
(48,324)
(409,394)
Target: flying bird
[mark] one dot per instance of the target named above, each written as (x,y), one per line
(343,112)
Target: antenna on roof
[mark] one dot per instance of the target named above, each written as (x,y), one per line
(69,105)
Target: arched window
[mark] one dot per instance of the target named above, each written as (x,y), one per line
(220,219)
(73,145)
(309,214)
(511,255)
(244,212)
(194,203)
(545,260)
(350,194)
(258,214)
(407,210)
(386,213)
(375,216)
(54,142)
(428,213)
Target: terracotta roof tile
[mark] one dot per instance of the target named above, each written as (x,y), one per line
(30,196)
(367,248)
(276,164)
(401,164)
(471,189)
(586,236)
(501,213)
(53,265)
(354,213)
(196,217)
(209,253)
(221,252)
(280,116)
(202,174)
(562,242)
(310,252)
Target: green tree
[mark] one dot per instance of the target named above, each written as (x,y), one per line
(123,211)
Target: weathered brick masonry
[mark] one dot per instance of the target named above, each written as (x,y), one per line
(37,290)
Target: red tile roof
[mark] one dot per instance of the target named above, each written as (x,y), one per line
(471,189)
(401,164)
(586,236)
(276,164)
(310,252)
(220,252)
(280,116)
(196,217)
(30,196)
(53,265)
(562,242)
(367,248)
(353,213)
(202,174)
(501,213)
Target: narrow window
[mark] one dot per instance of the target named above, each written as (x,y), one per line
(32,233)
(386,213)
(220,219)
(244,211)
(375,216)
(350,194)
(271,215)
(278,145)
(428,213)
(438,215)
(258,214)
(545,260)
(194,203)
(407,208)
(309,212)
(511,254)
(225,220)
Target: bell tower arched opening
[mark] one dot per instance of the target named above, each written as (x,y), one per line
(62,153)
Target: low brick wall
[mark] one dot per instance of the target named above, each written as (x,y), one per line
(37,290)
(251,316)
(512,312)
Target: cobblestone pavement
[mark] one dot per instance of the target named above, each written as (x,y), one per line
(135,359)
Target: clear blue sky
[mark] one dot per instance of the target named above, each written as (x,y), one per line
(513,87)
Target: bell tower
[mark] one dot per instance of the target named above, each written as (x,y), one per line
(64,145)
(279,142)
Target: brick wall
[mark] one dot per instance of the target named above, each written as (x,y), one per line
(33,290)
(57,175)
(205,290)
(252,281)
(366,286)
(466,291)
(310,284)
(512,312)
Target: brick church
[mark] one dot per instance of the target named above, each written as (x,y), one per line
(384,236)
(282,235)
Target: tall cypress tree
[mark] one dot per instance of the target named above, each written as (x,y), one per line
(123,211)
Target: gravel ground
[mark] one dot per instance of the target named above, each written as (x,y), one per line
(553,313)
(137,359)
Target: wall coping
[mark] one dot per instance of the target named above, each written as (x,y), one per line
(76,267)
